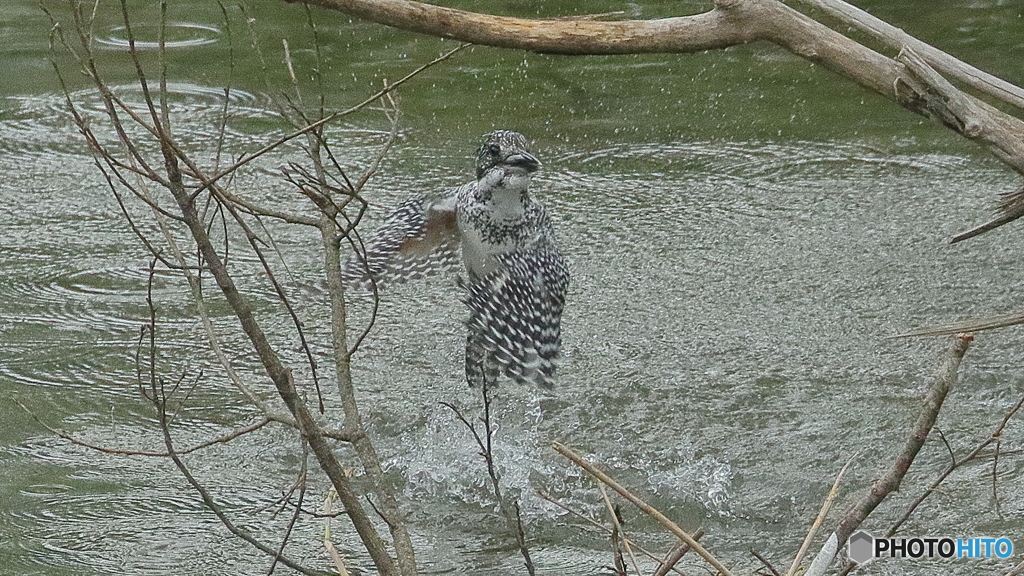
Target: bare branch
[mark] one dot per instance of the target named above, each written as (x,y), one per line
(672,558)
(925,91)
(556,36)
(339,563)
(730,23)
(645,507)
(826,506)
(281,376)
(1011,207)
(764,561)
(995,475)
(943,62)
(617,532)
(282,296)
(937,392)
(175,170)
(223,439)
(158,396)
(975,454)
(326,119)
(331,234)
(258,209)
(225,520)
(301,484)
(664,564)
(485,441)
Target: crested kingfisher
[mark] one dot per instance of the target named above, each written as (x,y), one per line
(516,277)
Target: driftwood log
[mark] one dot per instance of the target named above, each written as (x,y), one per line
(915,77)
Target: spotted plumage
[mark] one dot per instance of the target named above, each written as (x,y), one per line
(516,276)
(418,237)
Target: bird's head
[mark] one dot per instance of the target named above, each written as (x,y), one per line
(507,150)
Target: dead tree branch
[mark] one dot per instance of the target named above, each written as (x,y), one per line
(155,390)
(202,202)
(973,456)
(890,482)
(826,506)
(223,439)
(643,506)
(217,176)
(764,562)
(732,23)
(485,442)
(666,564)
(672,558)
(619,539)
(332,233)
(279,374)
(898,39)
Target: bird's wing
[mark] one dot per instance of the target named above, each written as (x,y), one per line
(974,325)
(515,315)
(419,237)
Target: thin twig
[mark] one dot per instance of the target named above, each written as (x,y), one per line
(298,508)
(283,298)
(484,442)
(673,557)
(339,563)
(613,513)
(665,564)
(644,506)
(765,562)
(973,455)
(158,398)
(826,506)
(937,392)
(330,117)
(224,439)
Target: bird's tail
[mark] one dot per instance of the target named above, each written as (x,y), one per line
(512,331)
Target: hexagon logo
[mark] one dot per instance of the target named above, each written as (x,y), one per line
(862,547)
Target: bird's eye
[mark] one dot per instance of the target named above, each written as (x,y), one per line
(493,150)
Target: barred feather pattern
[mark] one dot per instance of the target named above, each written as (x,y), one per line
(515,318)
(517,277)
(418,238)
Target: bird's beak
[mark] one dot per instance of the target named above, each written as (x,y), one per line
(524,160)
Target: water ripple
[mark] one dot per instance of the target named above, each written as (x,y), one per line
(177,35)
(710,279)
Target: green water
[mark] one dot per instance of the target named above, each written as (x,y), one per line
(743,229)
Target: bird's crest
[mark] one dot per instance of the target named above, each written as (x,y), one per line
(504,147)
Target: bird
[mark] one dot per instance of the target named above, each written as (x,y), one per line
(516,276)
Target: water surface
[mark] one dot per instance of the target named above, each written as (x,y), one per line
(743,231)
